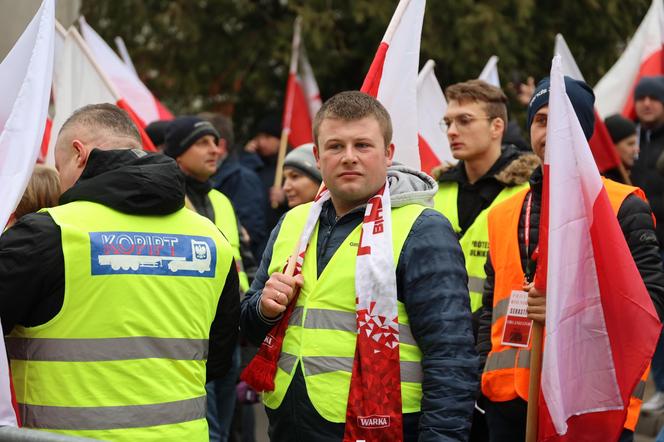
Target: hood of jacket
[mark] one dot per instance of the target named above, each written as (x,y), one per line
(409,186)
(130,181)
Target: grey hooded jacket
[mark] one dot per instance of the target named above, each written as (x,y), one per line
(432,283)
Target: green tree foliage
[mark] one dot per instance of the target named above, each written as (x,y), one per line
(233,55)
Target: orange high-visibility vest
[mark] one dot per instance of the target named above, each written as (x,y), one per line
(507,369)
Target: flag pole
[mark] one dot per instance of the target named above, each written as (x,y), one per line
(396,19)
(534,383)
(288,106)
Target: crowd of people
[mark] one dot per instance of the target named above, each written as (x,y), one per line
(159,296)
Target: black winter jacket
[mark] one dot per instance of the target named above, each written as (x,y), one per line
(644,173)
(432,283)
(32,274)
(636,223)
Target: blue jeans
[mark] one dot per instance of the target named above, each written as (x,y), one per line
(221,398)
(657,367)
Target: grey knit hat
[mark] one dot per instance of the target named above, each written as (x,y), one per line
(302,158)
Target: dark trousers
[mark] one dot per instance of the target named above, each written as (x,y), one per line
(507,421)
(296,419)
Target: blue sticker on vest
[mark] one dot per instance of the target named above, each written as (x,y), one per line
(139,253)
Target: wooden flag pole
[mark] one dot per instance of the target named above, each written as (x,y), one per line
(279,172)
(534,384)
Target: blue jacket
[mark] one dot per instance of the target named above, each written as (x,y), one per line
(432,283)
(245,190)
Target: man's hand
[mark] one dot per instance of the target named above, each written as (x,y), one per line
(250,146)
(278,293)
(277,196)
(536,303)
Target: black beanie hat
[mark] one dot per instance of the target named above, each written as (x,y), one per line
(619,127)
(579,93)
(270,125)
(157,131)
(185,131)
(650,87)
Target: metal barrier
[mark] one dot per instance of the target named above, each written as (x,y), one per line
(13,434)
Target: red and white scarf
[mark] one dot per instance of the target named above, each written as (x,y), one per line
(374,402)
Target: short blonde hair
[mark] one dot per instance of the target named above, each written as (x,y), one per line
(43,191)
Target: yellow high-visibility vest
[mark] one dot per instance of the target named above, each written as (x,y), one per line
(322,330)
(125,357)
(475,241)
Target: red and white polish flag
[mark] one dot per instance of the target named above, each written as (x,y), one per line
(302,94)
(642,57)
(79,81)
(127,83)
(593,355)
(434,147)
(392,78)
(601,145)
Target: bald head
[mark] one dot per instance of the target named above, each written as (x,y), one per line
(96,126)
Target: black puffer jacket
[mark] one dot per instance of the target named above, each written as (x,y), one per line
(32,273)
(636,223)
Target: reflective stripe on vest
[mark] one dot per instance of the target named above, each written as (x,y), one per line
(507,369)
(124,359)
(106,349)
(411,371)
(226,220)
(475,240)
(337,320)
(112,418)
(322,331)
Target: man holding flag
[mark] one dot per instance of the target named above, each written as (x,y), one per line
(380,273)
(514,228)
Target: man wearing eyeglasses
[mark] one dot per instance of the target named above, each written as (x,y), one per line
(486,173)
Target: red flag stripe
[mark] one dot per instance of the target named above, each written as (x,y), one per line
(372,80)
(147,143)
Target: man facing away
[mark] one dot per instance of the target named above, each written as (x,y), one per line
(422,281)
(120,302)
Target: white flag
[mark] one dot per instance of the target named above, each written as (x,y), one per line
(490,72)
(431,108)
(25,79)
(128,85)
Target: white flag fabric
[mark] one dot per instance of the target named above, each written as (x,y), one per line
(490,72)
(431,108)
(396,86)
(124,53)
(309,84)
(78,83)
(25,79)
(128,85)
(569,66)
(642,57)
